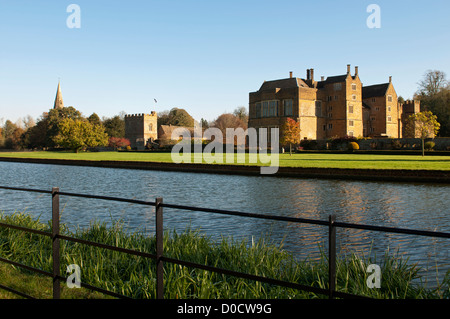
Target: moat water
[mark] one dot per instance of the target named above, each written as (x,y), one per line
(406,205)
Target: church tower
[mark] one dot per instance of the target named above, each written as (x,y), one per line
(59,104)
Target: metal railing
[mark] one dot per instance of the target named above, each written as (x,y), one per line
(159,257)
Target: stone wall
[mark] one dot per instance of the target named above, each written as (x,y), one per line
(441,144)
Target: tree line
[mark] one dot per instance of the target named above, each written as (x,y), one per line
(67,128)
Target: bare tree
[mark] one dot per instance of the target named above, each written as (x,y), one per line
(432,83)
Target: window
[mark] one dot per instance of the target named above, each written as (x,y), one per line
(354,86)
(354,97)
(377,109)
(350,133)
(335,97)
(318,108)
(273,108)
(330,115)
(330,126)
(351,123)
(324,127)
(350,108)
(258,110)
(374,99)
(389,98)
(330,108)
(389,118)
(265,108)
(337,86)
(288,111)
(389,108)
(372,118)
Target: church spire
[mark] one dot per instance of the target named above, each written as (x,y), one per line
(59,104)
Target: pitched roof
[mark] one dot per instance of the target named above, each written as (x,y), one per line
(283,84)
(165,131)
(374,90)
(333,79)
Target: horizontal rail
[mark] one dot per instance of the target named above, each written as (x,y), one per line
(16,292)
(246,214)
(26,189)
(115,248)
(14,263)
(271,217)
(159,258)
(25,229)
(394,230)
(243,214)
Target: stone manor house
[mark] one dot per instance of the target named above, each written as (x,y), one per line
(333,107)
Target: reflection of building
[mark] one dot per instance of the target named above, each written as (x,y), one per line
(141,129)
(335,106)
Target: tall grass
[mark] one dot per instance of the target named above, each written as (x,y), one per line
(134,276)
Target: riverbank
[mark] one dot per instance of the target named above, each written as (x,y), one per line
(402,168)
(134,276)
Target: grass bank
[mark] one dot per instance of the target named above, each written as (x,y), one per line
(301,160)
(135,276)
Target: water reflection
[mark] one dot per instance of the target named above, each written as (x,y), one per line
(409,205)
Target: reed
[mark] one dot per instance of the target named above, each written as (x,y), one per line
(135,276)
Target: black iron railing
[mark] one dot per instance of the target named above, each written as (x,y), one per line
(159,257)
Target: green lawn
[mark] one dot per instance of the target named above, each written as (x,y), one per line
(368,161)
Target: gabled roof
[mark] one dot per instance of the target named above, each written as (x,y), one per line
(333,79)
(374,90)
(283,84)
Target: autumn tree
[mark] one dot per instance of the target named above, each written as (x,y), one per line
(80,134)
(12,135)
(290,133)
(118,142)
(422,124)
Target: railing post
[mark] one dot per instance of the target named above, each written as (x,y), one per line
(159,250)
(331,256)
(55,243)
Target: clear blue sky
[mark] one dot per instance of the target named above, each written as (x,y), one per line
(205,56)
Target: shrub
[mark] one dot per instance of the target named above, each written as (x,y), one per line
(353,146)
(429,145)
(308,144)
(341,142)
(396,145)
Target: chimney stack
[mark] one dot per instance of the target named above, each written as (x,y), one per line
(290,74)
(356,70)
(348,68)
(308,74)
(390,79)
(312,74)
(322,78)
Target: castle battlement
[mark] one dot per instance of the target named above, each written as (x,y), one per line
(141,128)
(140,115)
